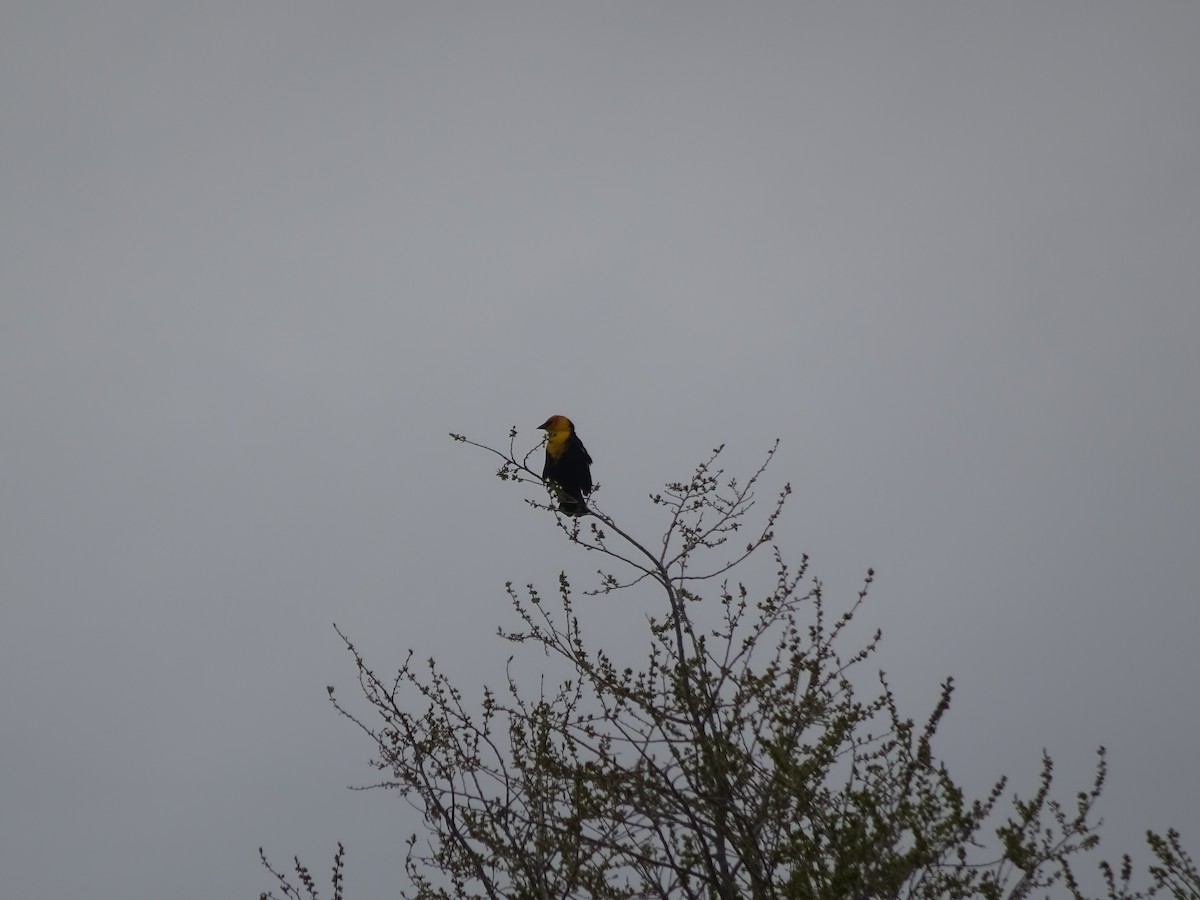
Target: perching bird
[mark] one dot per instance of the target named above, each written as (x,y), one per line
(567,465)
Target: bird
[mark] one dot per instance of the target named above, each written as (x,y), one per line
(567,466)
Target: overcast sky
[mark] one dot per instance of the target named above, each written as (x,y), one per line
(258,259)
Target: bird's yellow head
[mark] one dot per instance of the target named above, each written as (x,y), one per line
(556,425)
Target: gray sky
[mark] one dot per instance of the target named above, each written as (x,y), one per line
(258,260)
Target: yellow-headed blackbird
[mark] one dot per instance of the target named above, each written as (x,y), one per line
(567,465)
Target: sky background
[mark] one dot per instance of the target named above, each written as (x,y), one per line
(257,260)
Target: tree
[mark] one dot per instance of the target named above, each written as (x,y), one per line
(737,758)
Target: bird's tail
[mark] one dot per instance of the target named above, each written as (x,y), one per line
(568,504)
(571,507)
